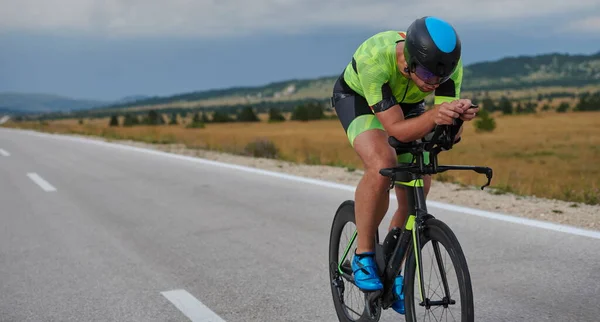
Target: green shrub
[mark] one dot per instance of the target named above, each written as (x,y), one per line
(485,122)
(262,148)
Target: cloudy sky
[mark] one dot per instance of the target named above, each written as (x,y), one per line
(107,49)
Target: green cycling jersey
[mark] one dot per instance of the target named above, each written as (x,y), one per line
(374,65)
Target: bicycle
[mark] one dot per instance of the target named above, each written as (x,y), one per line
(420,228)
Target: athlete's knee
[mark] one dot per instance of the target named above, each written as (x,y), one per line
(376,164)
(376,154)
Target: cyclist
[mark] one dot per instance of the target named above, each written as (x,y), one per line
(381,93)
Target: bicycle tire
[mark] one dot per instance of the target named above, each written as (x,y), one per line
(343,216)
(438,231)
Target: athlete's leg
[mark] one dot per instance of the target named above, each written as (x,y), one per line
(401,213)
(369,140)
(371,196)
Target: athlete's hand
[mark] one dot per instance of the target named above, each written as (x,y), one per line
(447,112)
(467,113)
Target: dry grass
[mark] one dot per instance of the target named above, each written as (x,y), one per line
(548,155)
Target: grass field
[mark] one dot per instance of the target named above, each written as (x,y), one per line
(546,154)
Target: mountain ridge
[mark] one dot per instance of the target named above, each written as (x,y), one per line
(510,72)
(551,69)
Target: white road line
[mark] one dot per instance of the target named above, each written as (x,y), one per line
(191,307)
(440,205)
(41,182)
(517,220)
(4,153)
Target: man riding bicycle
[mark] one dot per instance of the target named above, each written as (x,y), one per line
(381,93)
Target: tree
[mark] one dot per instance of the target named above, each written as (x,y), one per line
(315,111)
(488,104)
(130,120)
(563,107)
(196,118)
(114,120)
(505,105)
(173,119)
(221,117)
(247,115)
(275,115)
(307,112)
(588,102)
(154,118)
(529,108)
(300,113)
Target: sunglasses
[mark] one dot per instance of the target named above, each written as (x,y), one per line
(428,77)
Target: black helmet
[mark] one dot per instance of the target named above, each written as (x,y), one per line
(432,49)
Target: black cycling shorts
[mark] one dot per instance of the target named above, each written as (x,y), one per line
(355,114)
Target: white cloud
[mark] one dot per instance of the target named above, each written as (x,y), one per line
(230,17)
(589,24)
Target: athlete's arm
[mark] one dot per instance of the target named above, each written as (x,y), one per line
(415,128)
(449,91)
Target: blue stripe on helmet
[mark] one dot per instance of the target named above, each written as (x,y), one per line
(441,33)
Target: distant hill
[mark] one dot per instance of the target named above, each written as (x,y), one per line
(27,103)
(528,71)
(510,73)
(283,89)
(520,72)
(132,99)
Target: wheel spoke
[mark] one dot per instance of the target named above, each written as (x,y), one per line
(452,315)
(430,269)
(432,313)
(351,310)
(352,306)
(446,271)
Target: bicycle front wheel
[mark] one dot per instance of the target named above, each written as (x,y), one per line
(348,299)
(447,283)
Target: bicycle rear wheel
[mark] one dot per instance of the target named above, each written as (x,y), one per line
(442,258)
(349,300)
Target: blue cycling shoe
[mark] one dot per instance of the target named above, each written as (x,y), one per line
(398,305)
(364,269)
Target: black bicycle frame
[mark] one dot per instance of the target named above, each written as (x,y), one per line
(411,176)
(415,223)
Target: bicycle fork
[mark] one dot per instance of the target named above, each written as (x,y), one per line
(416,236)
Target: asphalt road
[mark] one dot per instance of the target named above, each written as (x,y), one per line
(91,232)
